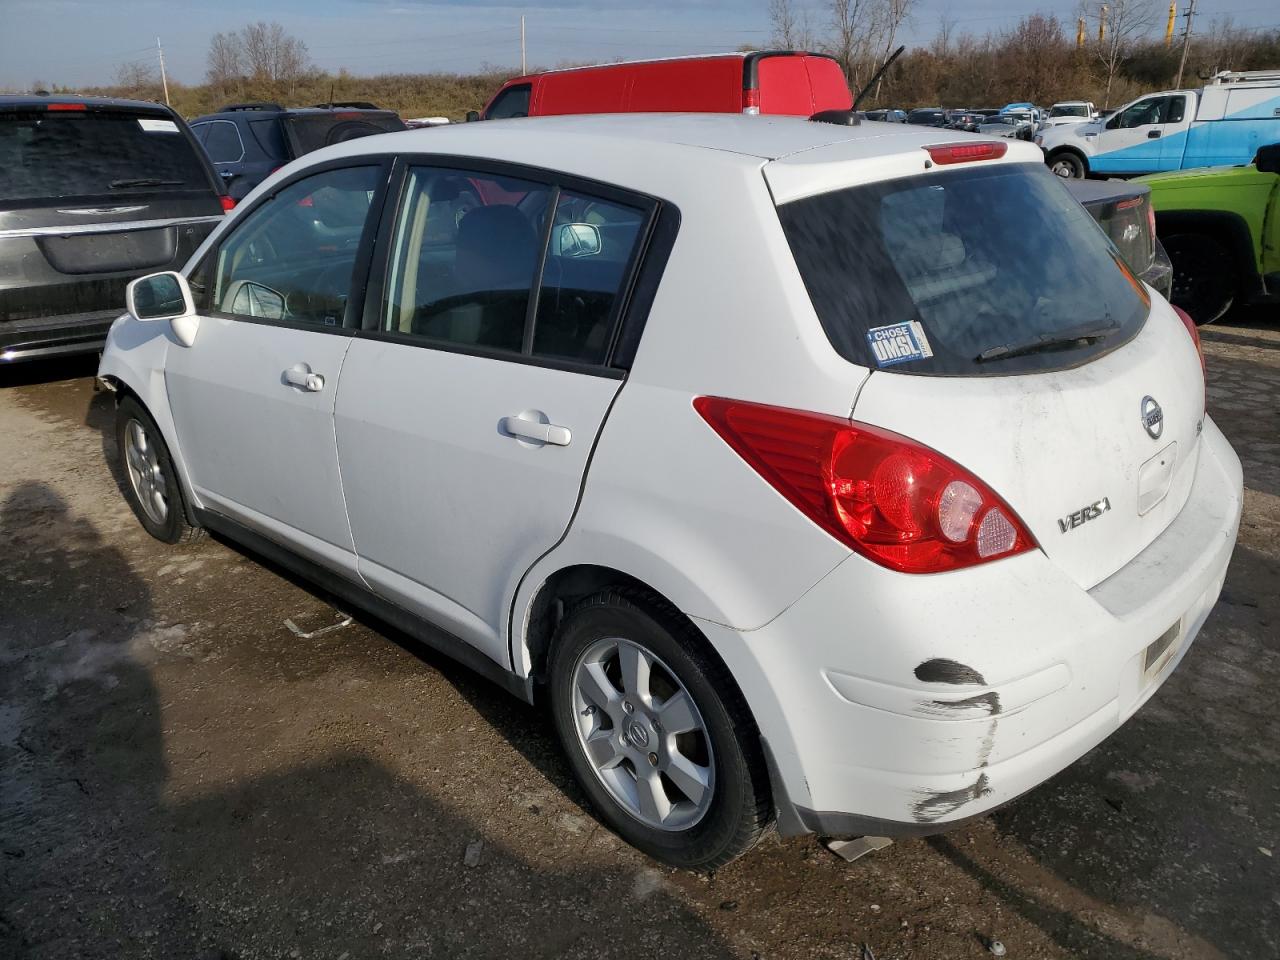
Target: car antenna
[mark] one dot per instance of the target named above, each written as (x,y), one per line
(876,76)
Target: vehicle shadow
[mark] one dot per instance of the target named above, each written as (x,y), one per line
(106,855)
(29,372)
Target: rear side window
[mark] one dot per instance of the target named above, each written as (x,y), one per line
(222,142)
(269,137)
(591,248)
(94,153)
(967,272)
(511,102)
(311,131)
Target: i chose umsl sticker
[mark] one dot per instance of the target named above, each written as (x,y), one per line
(898,343)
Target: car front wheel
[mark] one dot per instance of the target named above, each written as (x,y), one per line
(1068,166)
(657,732)
(150,483)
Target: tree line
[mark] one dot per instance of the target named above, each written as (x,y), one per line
(1119,54)
(1110,53)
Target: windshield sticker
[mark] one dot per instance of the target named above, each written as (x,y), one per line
(157,126)
(898,343)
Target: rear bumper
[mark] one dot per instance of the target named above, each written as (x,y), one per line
(895,705)
(54,336)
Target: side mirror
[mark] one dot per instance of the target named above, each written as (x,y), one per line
(1267,159)
(164,296)
(578,240)
(473,116)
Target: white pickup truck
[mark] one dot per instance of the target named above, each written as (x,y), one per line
(1222,123)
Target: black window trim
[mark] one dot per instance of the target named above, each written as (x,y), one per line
(368,237)
(631,306)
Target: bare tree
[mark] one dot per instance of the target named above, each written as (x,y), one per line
(791,29)
(272,55)
(224,64)
(1121,24)
(894,14)
(138,79)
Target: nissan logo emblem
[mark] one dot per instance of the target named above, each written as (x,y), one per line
(1152,418)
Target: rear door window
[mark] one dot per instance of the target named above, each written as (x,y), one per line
(966,272)
(463,269)
(79,153)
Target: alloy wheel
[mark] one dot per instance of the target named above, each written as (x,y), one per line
(643,735)
(146,477)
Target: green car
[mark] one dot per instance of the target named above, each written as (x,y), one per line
(1221,228)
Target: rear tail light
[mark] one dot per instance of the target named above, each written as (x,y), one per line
(76,107)
(228,204)
(751,102)
(1195,338)
(945,153)
(893,500)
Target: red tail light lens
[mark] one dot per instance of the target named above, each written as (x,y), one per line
(895,501)
(944,153)
(751,101)
(73,107)
(227,204)
(1195,338)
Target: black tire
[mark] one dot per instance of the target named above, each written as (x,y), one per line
(1204,275)
(1067,165)
(740,808)
(173,527)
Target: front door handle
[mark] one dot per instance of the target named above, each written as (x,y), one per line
(1153,134)
(524,428)
(300,375)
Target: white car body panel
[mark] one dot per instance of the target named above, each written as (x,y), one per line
(266,456)
(842,662)
(1094,415)
(447,511)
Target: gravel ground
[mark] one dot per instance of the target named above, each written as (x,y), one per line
(182,776)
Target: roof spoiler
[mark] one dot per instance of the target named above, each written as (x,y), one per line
(347,104)
(264,105)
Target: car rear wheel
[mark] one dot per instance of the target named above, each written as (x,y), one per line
(150,483)
(1204,278)
(1068,166)
(656,731)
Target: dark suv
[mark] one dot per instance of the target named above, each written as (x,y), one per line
(247,142)
(94,193)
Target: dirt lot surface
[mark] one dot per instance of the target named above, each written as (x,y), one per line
(182,776)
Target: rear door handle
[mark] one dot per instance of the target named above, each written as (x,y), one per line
(525,429)
(300,375)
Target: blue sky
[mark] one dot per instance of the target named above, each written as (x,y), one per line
(82,42)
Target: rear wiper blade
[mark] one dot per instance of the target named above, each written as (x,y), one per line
(1048,341)
(146,182)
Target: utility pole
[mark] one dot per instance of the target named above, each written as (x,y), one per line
(1186,43)
(1168,28)
(1102,24)
(523,69)
(164,79)
(1080,33)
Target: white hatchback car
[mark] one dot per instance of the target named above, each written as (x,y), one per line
(786,460)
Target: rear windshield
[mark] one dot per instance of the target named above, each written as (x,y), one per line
(92,152)
(311,131)
(967,272)
(1070,110)
(928,118)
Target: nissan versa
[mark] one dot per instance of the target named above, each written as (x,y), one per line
(785,460)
